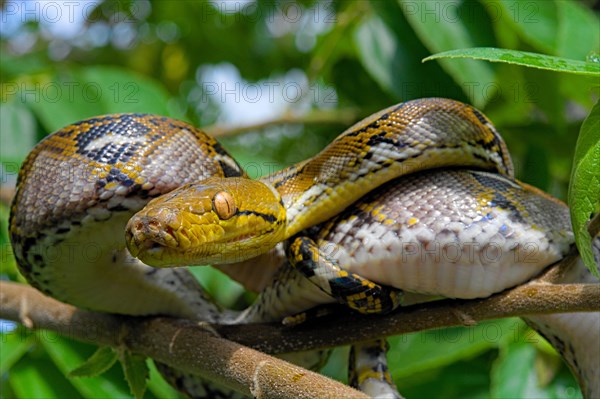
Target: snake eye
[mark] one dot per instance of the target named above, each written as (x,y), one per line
(224,205)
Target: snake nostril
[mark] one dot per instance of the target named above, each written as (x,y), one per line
(154,225)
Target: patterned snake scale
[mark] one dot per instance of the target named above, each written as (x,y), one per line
(79,187)
(185,227)
(75,192)
(453,233)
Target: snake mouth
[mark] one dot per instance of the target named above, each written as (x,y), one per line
(147,235)
(156,242)
(151,246)
(212,222)
(162,246)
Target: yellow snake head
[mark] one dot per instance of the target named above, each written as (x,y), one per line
(214,221)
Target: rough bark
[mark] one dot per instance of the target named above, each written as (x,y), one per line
(230,354)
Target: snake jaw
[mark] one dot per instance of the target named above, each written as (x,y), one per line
(184,227)
(158,234)
(144,235)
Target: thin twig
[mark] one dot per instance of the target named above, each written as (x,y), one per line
(594,225)
(338,116)
(6,194)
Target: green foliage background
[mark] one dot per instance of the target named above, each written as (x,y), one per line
(348,59)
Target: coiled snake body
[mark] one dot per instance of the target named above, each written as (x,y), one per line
(79,187)
(76,191)
(187,227)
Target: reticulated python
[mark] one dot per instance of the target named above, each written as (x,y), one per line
(192,223)
(110,166)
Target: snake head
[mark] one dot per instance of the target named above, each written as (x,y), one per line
(215,221)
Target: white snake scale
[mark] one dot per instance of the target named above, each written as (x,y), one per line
(82,184)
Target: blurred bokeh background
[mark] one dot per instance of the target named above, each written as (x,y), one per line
(276,81)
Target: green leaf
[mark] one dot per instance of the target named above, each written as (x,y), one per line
(17,135)
(8,266)
(58,100)
(377,48)
(445,346)
(535,20)
(547,100)
(124,91)
(67,355)
(515,360)
(584,188)
(13,346)
(136,372)
(441,27)
(98,363)
(36,376)
(465,379)
(581,89)
(337,364)
(577,30)
(523,58)
(225,290)
(65,98)
(521,371)
(331,45)
(390,51)
(158,386)
(535,167)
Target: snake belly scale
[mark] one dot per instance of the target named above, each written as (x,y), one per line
(455,233)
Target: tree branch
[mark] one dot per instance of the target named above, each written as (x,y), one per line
(189,347)
(542,295)
(339,116)
(527,300)
(177,343)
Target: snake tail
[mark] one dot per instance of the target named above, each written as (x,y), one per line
(576,336)
(368,370)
